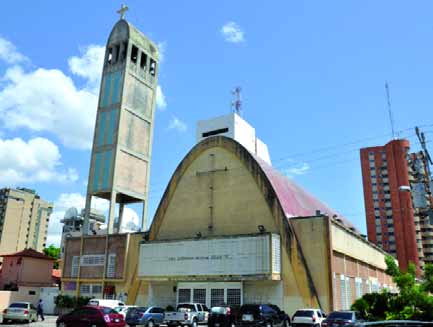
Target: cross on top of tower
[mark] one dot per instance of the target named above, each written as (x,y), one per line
(122,11)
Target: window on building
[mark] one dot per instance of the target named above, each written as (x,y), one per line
(216,297)
(85,288)
(75,266)
(152,67)
(134,54)
(215,132)
(199,295)
(184,295)
(124,50)
(358,287)
(233,296)
(91,289)
(93,260)
(110,55)
(143,61)
(116,53)
(111,266)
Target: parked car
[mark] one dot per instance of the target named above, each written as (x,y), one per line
(106,303)
(187,314)
(20,311)
(312,317)
(397,323)
(259,315)
(123,310)
(342,318)
(150,317)
(91,316)
(283,316)
(223,316)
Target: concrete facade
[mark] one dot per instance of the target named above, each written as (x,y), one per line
(220,190)
(24,218)
(120,161)
(235,127)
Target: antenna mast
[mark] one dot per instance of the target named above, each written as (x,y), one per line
(237,103)
(391,119)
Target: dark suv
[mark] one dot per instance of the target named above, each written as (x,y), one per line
(342,319)
(259,315)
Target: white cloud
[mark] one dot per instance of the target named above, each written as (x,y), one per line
(232,32)
(47,100)
(160,99)
(162,47)
(89,65)
(300,169)
(130,221)
(37,160)
(9,53)
(177,124)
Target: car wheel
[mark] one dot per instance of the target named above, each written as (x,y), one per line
(268,324)
(61,324)
(150,323)
(194,323)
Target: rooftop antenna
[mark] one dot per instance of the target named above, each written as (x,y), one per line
(391,119)
(237,103)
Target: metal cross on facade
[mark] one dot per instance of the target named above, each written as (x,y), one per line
(122,11)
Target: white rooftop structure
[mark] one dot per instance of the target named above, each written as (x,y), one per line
(235,127)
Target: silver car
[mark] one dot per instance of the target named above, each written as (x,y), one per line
(20,311)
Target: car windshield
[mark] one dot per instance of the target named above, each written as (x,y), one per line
(220,310)
(185,307)
(119,309)
(304,313)
(250,309)
(107,311)
(340,315)
(19,305)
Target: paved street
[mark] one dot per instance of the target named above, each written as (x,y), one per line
(50,321)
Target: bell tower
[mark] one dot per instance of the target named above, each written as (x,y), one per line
(122,142)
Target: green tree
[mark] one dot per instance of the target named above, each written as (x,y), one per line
(53,252)
(414,300)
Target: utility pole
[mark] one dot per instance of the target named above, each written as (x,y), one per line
(428,162)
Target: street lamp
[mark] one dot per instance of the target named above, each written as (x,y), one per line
(404,188)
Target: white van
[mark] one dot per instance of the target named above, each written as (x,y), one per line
(106,303)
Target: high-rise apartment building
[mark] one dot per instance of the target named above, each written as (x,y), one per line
(395,182)
(24,218)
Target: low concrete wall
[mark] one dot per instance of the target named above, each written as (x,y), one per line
(23,294)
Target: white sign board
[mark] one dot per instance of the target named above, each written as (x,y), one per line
(246,255)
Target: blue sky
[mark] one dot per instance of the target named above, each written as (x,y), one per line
(312,75)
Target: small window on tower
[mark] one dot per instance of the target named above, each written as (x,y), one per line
(124,50)
(116,53)
(110,55)
(143,61)
(134,54)
(152,68)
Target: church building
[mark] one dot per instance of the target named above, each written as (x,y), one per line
(229,228)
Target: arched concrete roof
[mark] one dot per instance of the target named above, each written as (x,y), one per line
(282,197)
(292,199)
(295,200)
